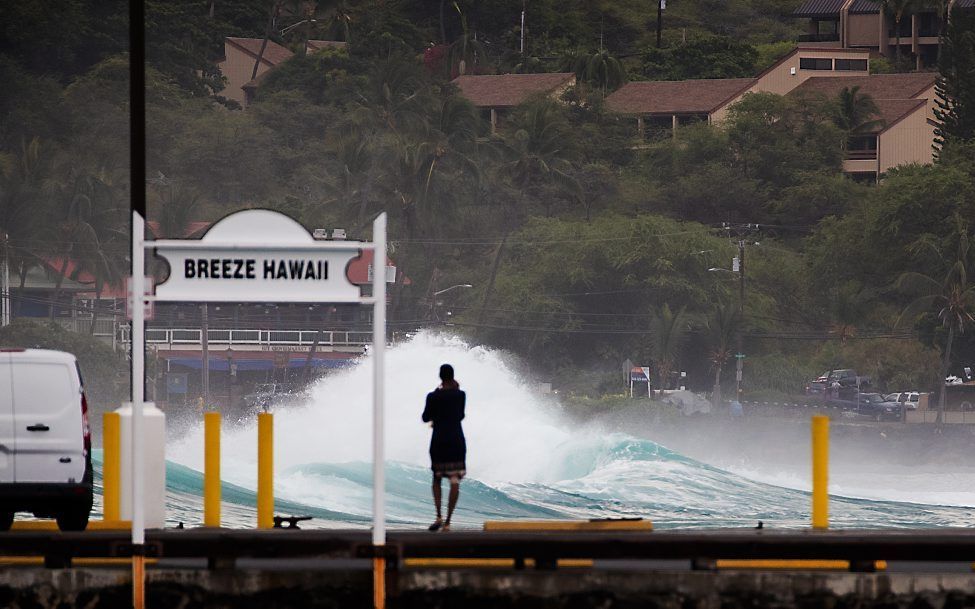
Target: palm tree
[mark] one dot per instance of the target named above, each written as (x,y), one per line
(23,185)
(174,206)
(537,156)
(951,294)
(354,156)
(668,333)
(855,112)
(599,70)
(898,8)
(396,98)
(86,224)
(465,53)
(722,327)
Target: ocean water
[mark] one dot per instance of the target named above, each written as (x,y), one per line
(525,460)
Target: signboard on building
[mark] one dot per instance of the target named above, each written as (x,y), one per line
(258,255)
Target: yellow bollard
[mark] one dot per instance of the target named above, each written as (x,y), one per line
(211,469)
(820,473)
(111,466)
(265,470)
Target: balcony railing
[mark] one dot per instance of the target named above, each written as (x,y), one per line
(263,338)
(826,37)
(861,155)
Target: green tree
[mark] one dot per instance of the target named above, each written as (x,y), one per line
(708,57)
(669,331)
(600,71)
(466,52)
(951,295)
(722,327)
(856,113)
(898,9)
(24,186)
(955,87)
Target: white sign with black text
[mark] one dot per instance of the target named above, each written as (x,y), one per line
(258,256)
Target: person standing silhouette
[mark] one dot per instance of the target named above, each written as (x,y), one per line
(448,447)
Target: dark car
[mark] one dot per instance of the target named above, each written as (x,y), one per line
(818,385)
(874,405)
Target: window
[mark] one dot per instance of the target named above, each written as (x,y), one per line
(813,63)
(863,142)
(852,64)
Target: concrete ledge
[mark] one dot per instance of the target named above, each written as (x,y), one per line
(98,588)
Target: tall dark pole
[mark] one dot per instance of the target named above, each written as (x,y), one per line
(137,194)
(740,356)
(660,19)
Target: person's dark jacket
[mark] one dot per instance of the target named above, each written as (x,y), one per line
(445,409)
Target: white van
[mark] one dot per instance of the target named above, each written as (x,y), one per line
(45,441)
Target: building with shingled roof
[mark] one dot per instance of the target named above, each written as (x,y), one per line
(495,93)
(906,122)
(864,24)
(240,55)
(237,63)
(668,104)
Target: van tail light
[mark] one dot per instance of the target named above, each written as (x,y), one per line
(84,423)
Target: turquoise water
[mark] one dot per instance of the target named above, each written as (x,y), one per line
(525,460)
(617,477)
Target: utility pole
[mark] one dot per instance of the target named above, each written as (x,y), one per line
(661,5)
(524,6)
(5,305)
(740,355)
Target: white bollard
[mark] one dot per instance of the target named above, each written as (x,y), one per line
(154,449)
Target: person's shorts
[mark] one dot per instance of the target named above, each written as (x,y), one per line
(453,471)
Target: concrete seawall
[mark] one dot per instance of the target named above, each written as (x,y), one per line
(476,589)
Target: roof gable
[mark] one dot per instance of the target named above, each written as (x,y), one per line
(273,54)
(676,96)
(878,86)
(509,90)
(819,8)
(893,111)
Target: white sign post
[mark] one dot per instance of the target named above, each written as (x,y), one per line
(260,255)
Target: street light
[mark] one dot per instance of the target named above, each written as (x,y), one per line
(460,285)
(294,25)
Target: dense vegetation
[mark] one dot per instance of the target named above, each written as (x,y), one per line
(582,248)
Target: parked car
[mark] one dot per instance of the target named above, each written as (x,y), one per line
(909,399)
(833,380)
(876,406)
(818,385)
(45,441)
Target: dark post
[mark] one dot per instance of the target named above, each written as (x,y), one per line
(660,19)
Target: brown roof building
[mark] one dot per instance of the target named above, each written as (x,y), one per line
(240,55)
(906,112)
(668,98)
(494,92)
(863,24)
(675,102)
(905,102)
(237,64)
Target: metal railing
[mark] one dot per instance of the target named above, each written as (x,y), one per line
(193,336)
(825,37)
(861,155)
